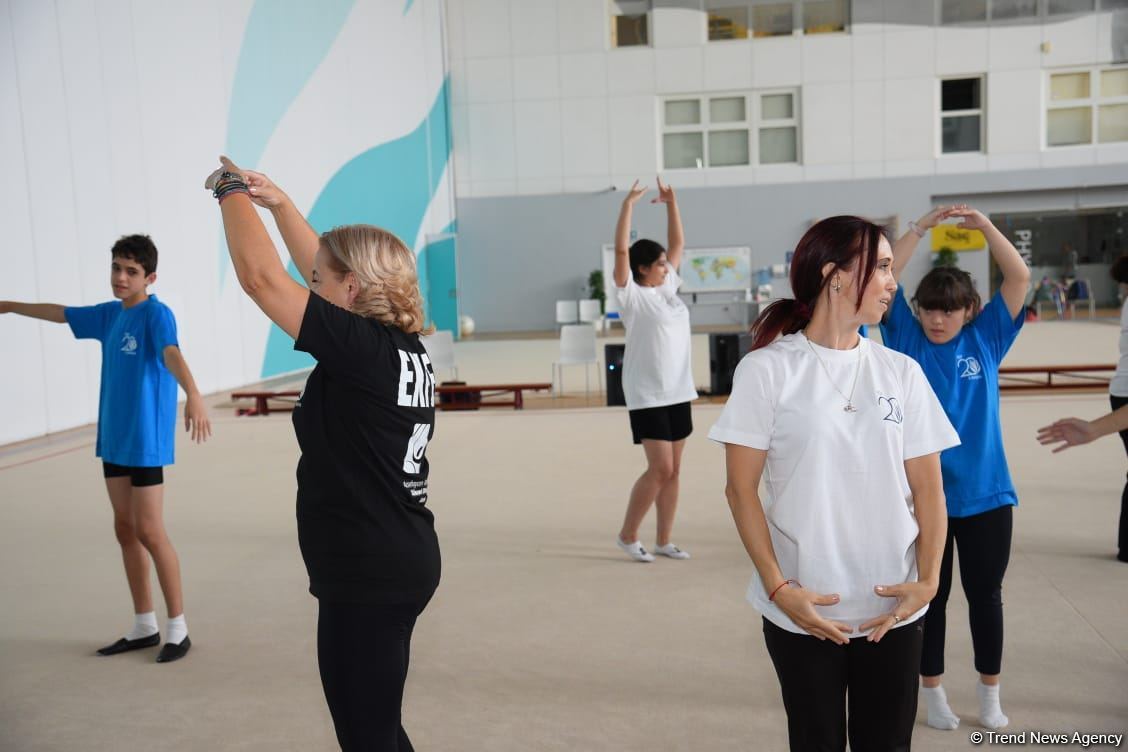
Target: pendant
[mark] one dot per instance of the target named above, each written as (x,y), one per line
(850,408)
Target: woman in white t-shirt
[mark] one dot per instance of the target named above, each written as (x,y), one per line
(657,374)
(847,540)
(1118,391)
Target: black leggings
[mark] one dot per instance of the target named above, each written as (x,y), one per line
(362,652)
(984,541)
(820,680)
(1122,538)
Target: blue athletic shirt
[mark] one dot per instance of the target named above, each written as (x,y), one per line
(964,373)
(137,399)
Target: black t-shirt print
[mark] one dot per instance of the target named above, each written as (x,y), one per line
(363,424)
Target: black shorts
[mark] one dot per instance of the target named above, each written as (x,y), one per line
(666,423)
(140,476)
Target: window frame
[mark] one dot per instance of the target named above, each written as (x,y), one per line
(981,111)
(1041,15)
(1093,102)
(612,34)
(798,22)
(753,123)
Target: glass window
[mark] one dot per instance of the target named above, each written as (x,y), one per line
(824,16)
(728,23)
(962,11)
(1112,123)
(1002,10)
(727,110)
(772,19)
(728,148)
(960,94)
(1069,86)
(629,27)
(778,145)
(1114,83)
(1068,126)
(776,107)
(1114,4)
(683,112)
(683,150)
(1062,7)
(960,133)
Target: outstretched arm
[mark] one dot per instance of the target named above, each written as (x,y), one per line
(905,246)
(1016,274)
(255,259)
(42,311)
(1069,432)
(195,411)
(622,271)
(300,238)
(675,237)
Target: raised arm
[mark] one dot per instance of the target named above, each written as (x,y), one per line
(1070,432)
(195,411)
(1016,274)
(622,271)
(42,311)
(300,238)
(675,236)
(927,488)
(905,246)
(254,257)
(744,467)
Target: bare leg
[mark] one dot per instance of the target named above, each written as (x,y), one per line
(148,519)
(667,502)
(659,467)
(133,554)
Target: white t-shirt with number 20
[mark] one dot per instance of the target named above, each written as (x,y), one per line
(657,368)
(837,501)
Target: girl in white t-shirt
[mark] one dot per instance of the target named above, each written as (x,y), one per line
(847,539)
(657,377)
(1118,392)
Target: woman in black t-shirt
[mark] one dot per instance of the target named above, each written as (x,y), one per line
(363,423)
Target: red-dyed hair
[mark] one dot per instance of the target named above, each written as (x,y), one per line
(845,241)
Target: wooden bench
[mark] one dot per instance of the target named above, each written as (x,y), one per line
(262,401)
(474,396)
(1082,377)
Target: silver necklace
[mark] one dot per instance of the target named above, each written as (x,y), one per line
(857,369)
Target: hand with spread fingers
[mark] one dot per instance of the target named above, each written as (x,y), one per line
(799,604)
(1068,432)
(938,215)
(634,194)
(911,597)
(970,219)
(665,194)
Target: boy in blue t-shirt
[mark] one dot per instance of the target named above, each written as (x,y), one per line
(141,366)
(960,347)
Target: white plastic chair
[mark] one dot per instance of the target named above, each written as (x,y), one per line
(440,349)
(590,313)
(577,347)
(1084,295)
(567,312)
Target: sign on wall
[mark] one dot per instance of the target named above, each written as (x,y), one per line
(957,238)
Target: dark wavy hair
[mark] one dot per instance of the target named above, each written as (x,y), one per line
(642,253)
(847,242)
(139,248)
(947,288)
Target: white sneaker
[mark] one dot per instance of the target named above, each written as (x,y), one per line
(635,550)
(672,551)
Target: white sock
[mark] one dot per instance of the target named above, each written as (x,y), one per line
(940,716)
(990,711)
(177,629)
(144,625)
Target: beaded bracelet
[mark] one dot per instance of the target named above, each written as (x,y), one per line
(780,587)
(228,184)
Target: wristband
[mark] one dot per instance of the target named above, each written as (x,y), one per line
(916,228)
(780,587)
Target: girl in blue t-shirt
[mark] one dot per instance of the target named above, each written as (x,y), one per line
(959,346)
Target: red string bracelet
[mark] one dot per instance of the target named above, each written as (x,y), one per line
(780,587)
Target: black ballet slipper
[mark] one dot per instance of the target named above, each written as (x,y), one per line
(124,646)
(174,651)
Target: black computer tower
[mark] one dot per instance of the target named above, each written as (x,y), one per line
(613,357)
(725,351)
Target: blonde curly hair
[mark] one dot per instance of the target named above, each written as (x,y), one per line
(385,270)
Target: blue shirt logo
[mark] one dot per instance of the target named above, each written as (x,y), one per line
(969,367)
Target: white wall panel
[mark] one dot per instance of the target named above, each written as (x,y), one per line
(583,25)
(910,125)
(489,79)
(777,61)
(533,25)
(634,149)
(827,57)
(630,71)
(1071,42)
(910,53)
(536,77)
(1014,47)
(678,27)
(679,70)
(827,136)
(584,136)
(491,133)
(583,74)
(869,56)
(537,130)
(728,66)
(961,49)
(869,121)
(485,27)
(1014,111)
